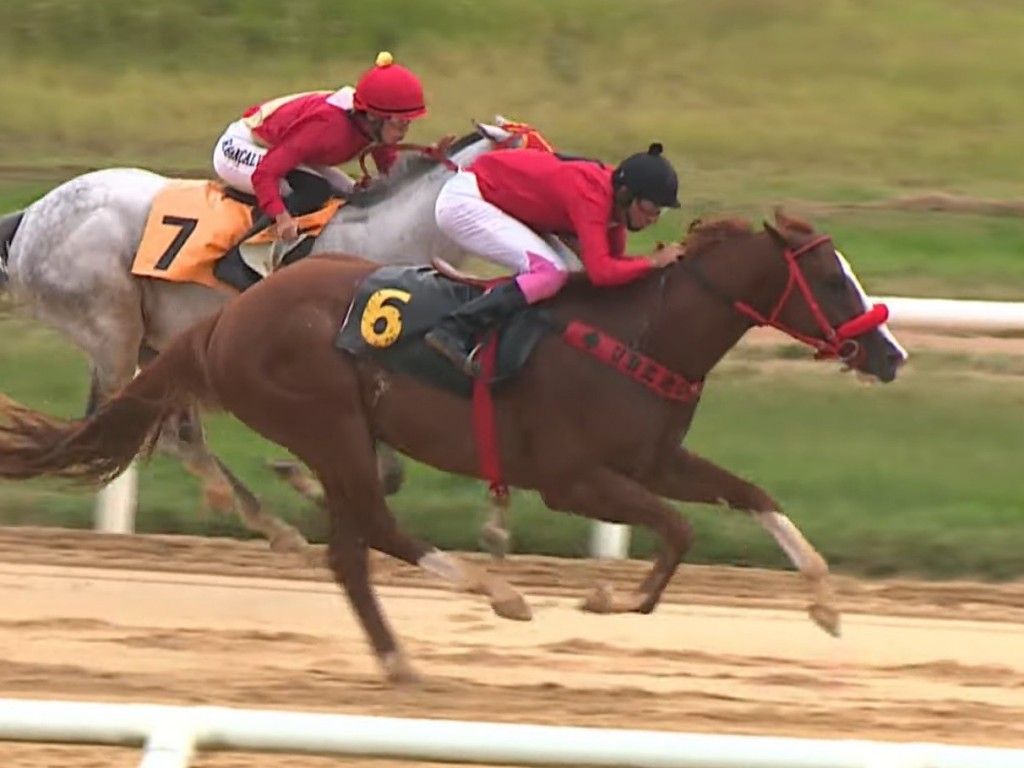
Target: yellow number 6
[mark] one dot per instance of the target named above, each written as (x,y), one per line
(381,323)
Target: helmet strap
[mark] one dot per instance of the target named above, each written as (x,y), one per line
(370,125)
(623,198)
(376,126)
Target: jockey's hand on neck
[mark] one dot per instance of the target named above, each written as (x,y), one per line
(285,227)
(664,255)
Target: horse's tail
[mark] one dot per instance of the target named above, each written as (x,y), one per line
(98,448)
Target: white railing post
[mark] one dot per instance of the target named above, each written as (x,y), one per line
(171,744)
(609,541)
(116,503)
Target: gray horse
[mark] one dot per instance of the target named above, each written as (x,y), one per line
(68,258)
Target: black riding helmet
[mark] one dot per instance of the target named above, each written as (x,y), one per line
(649,176)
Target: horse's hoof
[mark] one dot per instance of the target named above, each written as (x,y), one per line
(405,677)
(290,542)
(495,540)
(399,671)
(601,599)
(825,617)
(514,607)
(283,468)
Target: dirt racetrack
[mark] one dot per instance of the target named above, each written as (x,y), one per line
(187,620)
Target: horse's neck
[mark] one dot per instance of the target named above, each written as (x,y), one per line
(400,227)
(698,326)
(612,310)
(672,317)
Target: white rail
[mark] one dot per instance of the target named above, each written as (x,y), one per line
(955,314)
(115,508)
(170,735)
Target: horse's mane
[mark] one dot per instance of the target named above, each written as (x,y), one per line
(700,236)
(703,234)
(410,165)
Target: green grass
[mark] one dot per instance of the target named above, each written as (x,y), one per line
(755,99)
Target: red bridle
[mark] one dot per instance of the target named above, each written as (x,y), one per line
(424,149)
(529,137)
(838,342)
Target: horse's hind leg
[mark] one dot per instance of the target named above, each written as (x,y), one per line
(339,450)
(494,534)
(348,558)
(224,491)
(684,476)
(383,534)
(603,494)
(184,438)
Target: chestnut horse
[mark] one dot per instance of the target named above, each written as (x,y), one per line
(592,418)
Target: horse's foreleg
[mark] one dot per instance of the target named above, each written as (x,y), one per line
(686,477)
(494,534)
(603,494)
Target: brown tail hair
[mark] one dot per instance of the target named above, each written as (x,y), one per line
(98,448)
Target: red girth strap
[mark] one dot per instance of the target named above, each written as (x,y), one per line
(642,369)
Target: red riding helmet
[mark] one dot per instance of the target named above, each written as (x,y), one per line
(389,90)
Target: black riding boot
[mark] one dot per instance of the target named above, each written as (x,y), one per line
(309,192)
(457,335)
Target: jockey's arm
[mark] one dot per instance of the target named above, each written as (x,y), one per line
(601,251)
(340,182)
(279,160)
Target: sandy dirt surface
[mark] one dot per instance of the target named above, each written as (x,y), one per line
(188,620)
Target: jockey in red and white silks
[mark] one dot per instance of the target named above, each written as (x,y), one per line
(506,208)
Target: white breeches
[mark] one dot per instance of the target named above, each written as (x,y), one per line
(479,227)
(236,156)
